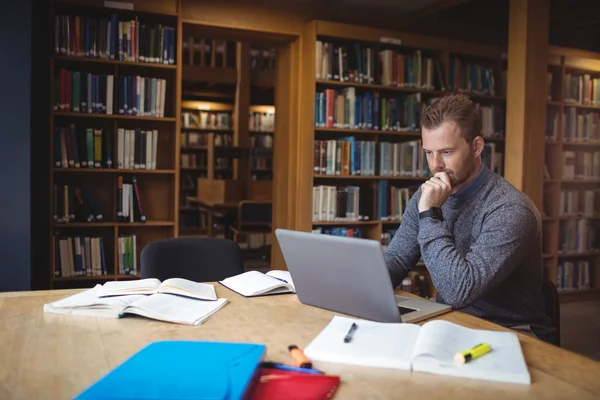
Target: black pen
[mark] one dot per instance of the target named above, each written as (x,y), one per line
(350,333)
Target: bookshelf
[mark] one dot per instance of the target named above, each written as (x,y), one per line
(367,159)
(114,149)
(572,174)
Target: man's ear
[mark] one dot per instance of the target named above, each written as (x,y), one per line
(478,145)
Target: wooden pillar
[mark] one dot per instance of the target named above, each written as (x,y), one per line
(288,188)
(526,98)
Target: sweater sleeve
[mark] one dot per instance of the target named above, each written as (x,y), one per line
(500,246)
(403,252)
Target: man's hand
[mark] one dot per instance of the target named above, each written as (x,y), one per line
(435,191)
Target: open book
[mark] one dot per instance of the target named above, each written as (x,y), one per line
(160,306)
(179,286)
(255,283)
(429,348)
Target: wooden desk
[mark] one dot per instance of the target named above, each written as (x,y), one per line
(58,356)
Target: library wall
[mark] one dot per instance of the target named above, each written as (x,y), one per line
(15,34)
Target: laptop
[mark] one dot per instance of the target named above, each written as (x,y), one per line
(349,276)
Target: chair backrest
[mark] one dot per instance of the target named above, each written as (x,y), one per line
(196,259)
(552,304)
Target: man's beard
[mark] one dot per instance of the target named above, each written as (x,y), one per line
(457,181)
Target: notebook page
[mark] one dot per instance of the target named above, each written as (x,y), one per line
(176,309)
(374,344)
(252,283)
(139,286)
(440,340)
(185,287)
(285,275)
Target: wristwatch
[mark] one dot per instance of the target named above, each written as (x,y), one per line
(433,212)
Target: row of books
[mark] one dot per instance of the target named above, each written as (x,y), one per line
(114,39)
(579,126)
(581,164)
(492,157)
(261,121)
(365,64)
(74,203)
(200,161)
(129,203)
(76,147)
(348,109)
(79,256)
(579,236)
(573,275)
(579,203)
(392,201)
(207,120)
(262,141)
(332,203)
(85,92)
(338,231)
(467,77)
(581,89)
(349,157)
(195,140)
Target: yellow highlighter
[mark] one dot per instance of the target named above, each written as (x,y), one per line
(472,353)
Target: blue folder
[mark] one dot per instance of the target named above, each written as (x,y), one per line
(182,370)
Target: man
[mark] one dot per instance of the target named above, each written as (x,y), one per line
(479,236)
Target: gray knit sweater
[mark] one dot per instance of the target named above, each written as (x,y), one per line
(485,258)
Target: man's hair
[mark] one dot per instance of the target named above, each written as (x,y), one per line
(457,108)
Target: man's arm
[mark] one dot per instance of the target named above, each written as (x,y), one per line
(500,246)
(403,252)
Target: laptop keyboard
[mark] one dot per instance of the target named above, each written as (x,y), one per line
(405,310)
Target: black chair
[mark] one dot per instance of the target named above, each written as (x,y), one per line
(196,259)
(552,304)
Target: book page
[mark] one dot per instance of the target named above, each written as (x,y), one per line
(373,344)
(176,309)
(253,283)
(185,287)
(284,275)
(440,340)
(138,286)
(88,303)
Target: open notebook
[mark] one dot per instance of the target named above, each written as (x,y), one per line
(429,348)
(255,283)
(179,286)
(159,306)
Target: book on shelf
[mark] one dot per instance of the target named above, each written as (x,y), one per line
(114,38)
(332,203)
(129,203)
(178,286)
(337,231)
(74,203)
(429,348)
(255,283)
(203,119)
(76,255)
(160,306)
(126,255)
